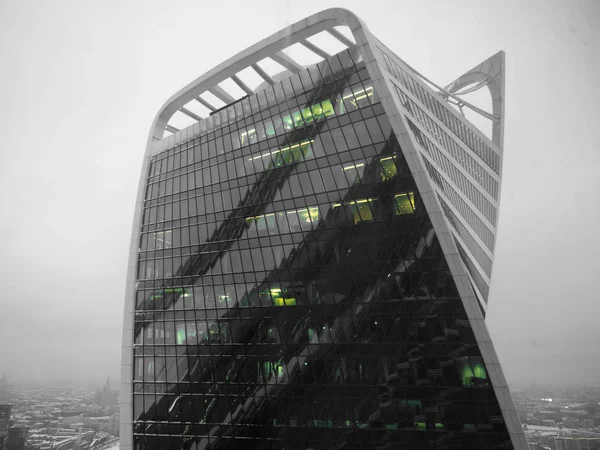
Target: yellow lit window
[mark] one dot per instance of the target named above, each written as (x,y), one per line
(404,203)
(388,168)
(281,297)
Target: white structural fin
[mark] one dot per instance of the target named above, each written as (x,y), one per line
(489,73)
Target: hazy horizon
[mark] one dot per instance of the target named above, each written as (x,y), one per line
(81,86)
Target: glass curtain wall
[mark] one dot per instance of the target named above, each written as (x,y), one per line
(292,293)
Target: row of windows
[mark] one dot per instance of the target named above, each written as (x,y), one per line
(261,122)
(332,174)
(375,330)
(297,307)
(330,181)
(333,134)
(353,211)
(291,91)
(484,260)
(334,180)
(241,266)
(328,142)
(443,112)
(351,99)
(414,436)
(170,369)
(465,211)
(211,331)
(219,293)
(461,156)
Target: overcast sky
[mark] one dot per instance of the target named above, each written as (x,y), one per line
(81,81)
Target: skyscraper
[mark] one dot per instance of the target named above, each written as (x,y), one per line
(310,263)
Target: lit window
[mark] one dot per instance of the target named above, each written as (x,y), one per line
(180,333)
(308,216)
(388,168)
(281,297)
(361,210)
(283,156)
(327,108)
(472,371)
(404,203)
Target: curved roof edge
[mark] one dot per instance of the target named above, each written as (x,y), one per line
(297,32)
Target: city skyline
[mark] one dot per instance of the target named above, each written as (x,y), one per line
(86,319)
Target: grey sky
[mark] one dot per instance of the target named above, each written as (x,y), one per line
(80,83)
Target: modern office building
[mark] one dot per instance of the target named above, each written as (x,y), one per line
(310,262)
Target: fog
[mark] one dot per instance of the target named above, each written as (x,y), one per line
(80,85)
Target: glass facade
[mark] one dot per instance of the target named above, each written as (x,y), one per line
(291,290)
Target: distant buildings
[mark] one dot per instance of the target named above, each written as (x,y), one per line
(60,418)
(5,411)
(107,396)
(11,437)
(4,393)
(17,436)
(567,443)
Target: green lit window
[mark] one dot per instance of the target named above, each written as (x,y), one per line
(404,203)
(180,333)
(472,371)
(323,423)
(278,369)
(308,217)
(281,297)
(388,168)
(307,115)
(294,119)
(297,117)
(420,426)
(361,210)
(288,123)
(327,108)
(265,223)
(283,156)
